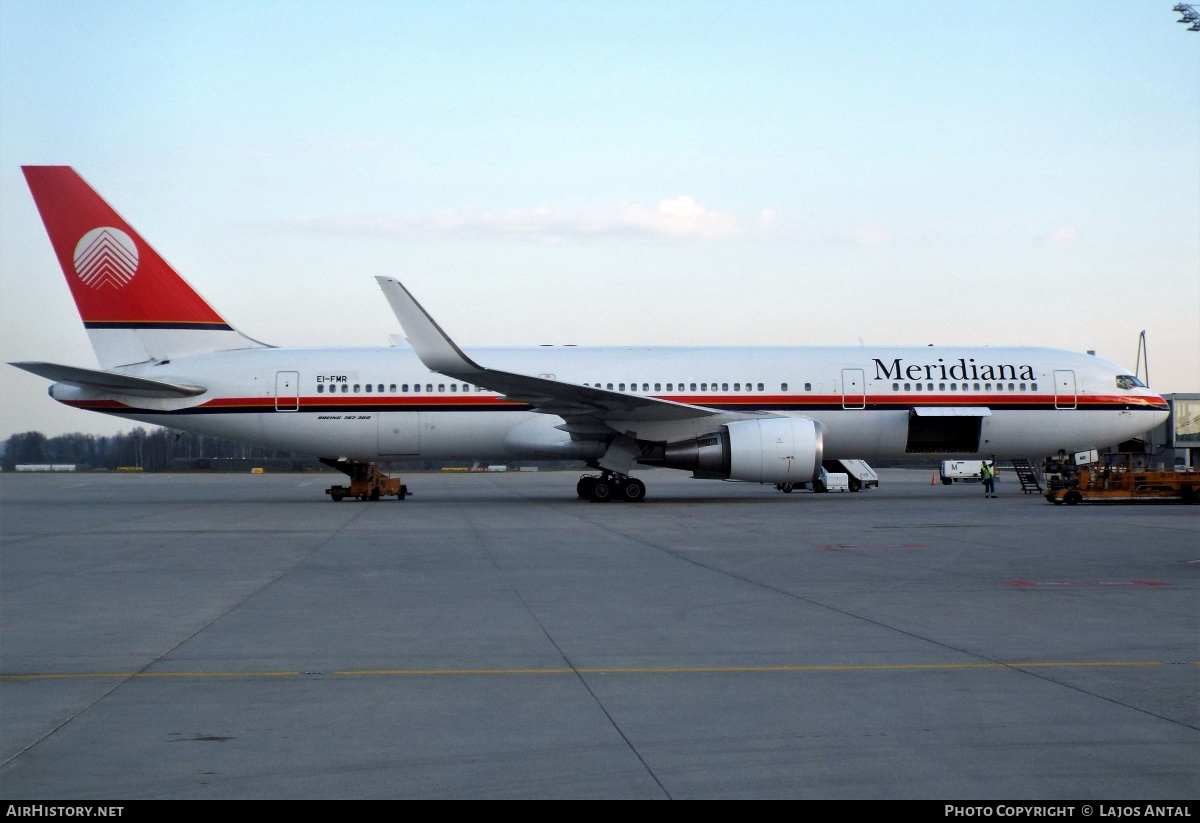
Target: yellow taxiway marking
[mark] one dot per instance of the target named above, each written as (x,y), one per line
(863,667)
(93,675)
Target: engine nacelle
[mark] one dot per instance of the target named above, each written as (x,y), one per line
(773,450)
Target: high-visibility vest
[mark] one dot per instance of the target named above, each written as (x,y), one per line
(986,471)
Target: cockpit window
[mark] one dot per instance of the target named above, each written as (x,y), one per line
(1128,381)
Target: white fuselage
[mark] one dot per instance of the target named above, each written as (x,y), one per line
(382,403)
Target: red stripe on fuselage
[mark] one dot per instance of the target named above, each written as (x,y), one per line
(814,402)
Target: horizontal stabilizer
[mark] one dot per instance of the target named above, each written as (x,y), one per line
(108,381)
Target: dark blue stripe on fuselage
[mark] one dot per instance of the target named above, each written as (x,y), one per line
(508,407)
(111,324)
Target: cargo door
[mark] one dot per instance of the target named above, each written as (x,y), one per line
(287,391)
(854,389)
(399,433)
(945,429)
(1064,389)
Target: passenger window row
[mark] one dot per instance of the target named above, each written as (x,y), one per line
(454,388)
(404,388)
(965,387)
(645,387)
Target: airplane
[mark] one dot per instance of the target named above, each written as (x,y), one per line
(757,414)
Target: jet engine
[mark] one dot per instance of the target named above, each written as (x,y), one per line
(773,450)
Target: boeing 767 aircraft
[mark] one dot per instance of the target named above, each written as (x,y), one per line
(757,414)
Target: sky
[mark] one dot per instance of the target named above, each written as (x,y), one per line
(724,173)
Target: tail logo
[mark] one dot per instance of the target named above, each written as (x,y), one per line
(106,257)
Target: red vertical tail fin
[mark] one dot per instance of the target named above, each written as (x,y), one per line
(134,306)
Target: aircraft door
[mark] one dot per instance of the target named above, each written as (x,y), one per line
(287,391)
(854,389)
(1064,389)
(399,433)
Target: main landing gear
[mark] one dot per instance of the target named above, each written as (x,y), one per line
(610,486)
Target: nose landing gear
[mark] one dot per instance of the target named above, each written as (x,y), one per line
(610,486)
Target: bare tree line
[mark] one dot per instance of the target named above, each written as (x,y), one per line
(150,450)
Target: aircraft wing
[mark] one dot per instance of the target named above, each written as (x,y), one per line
(440,354)
(108,381)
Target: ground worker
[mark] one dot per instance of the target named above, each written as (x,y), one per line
(988,474)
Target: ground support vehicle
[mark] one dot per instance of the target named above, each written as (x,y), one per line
(961,471)
(1116,477)
(861,476)
(831,481)
(366,482)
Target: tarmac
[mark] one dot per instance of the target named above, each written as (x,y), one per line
(242,636)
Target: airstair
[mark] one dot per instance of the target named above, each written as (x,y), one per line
(1028,477)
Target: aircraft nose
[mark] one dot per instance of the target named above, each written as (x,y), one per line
(1161,410)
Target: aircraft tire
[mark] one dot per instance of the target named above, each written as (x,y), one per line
(633,491)
(602,490)
(584,487)
(818,486)
(786,488)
